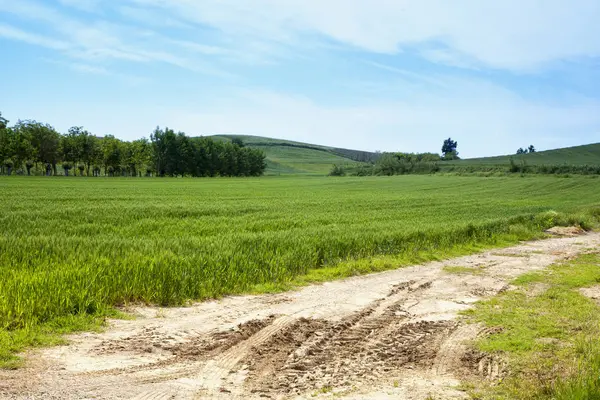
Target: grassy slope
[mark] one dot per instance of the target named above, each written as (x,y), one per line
(289,157)
(578,155)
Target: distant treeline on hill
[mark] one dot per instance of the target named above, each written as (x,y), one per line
(431,163)
(31,147)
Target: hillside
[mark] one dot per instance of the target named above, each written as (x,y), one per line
(289,157)
(577,155)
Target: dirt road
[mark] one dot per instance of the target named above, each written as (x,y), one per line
(388,335)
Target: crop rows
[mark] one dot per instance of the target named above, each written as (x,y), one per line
(78,245)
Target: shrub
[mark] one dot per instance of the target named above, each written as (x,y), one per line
(337,171)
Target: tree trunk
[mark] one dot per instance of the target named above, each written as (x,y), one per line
(54,169)
(66,172)
(9,170)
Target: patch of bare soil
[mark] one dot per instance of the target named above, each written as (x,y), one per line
(394,334)
(568,231)
(592,292)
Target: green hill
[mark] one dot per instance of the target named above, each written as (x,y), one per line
(579,155)
(289,157)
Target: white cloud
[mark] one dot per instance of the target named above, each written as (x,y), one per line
(511,34)
(484,118)
(101,40)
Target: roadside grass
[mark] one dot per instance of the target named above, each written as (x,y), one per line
(551,341)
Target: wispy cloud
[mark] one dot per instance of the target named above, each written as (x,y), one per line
(105,41)
(485,118)
(511,34)
(85,5)
(10,32)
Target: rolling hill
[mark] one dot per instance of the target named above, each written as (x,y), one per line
(296,158)
(289,157)
(578,155)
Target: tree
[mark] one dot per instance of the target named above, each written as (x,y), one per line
(3,122)
(449,149)
(45,141)
(86,148)
(111,154)
(237,141)
(521,151)
(531,148)
(21,147)
(337,171)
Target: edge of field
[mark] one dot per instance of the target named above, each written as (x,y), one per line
(542,337)
(520,228)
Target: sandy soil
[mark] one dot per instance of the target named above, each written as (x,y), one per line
(390,335)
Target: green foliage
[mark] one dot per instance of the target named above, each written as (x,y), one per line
(551,339)
(406,163)
(337,171)
(179,155)
(449,151)
(169,153)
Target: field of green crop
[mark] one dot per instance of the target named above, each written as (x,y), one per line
(77,246)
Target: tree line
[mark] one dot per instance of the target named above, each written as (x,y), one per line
(34,147)
(402,163)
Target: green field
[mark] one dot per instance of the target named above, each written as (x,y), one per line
(578,155)
(285,157)
(74,247)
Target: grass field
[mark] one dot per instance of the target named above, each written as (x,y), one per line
(285,157)
(70,248)
(578,155)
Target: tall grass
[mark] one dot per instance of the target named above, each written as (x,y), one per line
(77,246)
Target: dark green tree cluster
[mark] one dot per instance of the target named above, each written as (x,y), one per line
(530,149)
(176,154)
(31,146)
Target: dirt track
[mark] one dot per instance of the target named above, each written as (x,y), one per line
(388,335)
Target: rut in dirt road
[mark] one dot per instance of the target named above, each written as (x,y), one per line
(365,337)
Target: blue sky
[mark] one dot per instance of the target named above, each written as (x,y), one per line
(368,74)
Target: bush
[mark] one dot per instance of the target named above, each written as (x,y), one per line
(337,171)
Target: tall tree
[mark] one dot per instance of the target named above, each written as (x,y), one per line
(449,149)
(45,142)
(111,154)
(86,147)
(531,149)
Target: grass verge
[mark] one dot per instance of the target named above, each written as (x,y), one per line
(550,338)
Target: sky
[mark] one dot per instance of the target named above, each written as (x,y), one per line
(387,75)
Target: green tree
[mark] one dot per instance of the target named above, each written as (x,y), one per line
(86,147)
(237,141)
(449,149)
(111,154)
(3,122)
(531,149)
